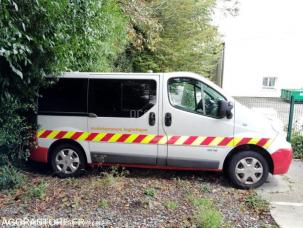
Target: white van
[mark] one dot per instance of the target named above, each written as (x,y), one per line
(178,121)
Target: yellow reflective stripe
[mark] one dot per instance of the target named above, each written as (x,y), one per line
(254,141)
(83,136)
(40,132)
(68,135)
(131,138)
(147,139)
(99,137)
(236,141)
(181,140)
(163,140)
(53,134)
(216,141)
(267,144)
(198,141)
(115,137)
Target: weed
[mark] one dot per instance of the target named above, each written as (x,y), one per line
(146,204)
(206,189)
(171,205)
(103,203)
(37,191)
(75,203)
(200,202)
(150,192)
(257,203)
(110,178)
(189,197)
(208,218)
(197,202)
(206,215)
(117,171)
(181,183)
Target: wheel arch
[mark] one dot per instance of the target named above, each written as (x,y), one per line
(250,147)
(68,141)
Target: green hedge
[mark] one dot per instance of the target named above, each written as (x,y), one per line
(297,145)
(39,38)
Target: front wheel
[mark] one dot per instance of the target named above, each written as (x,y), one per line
(67,160)
(248,169)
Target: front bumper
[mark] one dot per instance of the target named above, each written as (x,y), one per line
(281,160)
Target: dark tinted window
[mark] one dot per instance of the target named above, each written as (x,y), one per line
(67,95)
(121,98)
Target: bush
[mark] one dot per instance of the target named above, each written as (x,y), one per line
(297,145)
(15,133)
(10,177)
(39,38)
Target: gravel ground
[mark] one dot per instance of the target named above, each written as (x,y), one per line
(131,198)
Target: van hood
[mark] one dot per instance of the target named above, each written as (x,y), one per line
(254,124)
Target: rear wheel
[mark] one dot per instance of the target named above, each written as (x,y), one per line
(248,169)
(67,160)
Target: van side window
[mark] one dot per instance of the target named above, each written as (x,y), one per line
(68,95)
(194,96)
(185,94)
(129,98)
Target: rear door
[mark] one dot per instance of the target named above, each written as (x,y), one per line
(123,118)
(197,138)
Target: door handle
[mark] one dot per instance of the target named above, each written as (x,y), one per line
(152,119)
(168,119)
(92,115)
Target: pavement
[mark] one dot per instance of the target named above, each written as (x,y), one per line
(285,194)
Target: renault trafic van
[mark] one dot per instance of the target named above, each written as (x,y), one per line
(178,121)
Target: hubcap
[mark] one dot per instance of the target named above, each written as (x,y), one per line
(249,170)
(67,161)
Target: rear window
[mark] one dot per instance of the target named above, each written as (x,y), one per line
(66,96)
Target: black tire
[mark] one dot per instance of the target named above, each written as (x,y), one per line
(244,157)
(76,170)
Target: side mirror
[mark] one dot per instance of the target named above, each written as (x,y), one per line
(225,108)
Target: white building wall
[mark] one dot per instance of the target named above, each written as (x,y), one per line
(265,40)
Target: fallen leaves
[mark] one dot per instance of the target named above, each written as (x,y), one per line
(142,197)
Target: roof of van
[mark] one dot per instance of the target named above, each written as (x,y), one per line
(87,74)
